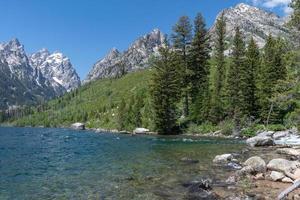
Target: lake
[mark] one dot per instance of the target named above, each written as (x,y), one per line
(38,163)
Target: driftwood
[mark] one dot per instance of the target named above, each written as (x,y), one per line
(290,189)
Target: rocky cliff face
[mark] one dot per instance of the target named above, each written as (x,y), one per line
(27,80)
(134,58)
(253,22)
(57,69)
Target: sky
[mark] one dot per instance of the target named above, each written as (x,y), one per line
(85,30)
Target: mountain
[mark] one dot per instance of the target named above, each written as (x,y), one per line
(57,69)
(134,58)
(253,22)
(28,80)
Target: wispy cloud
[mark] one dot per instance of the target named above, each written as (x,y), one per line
(282,4)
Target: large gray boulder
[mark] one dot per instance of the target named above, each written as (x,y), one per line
(78,126)
(283,165)
(257,164)
(259,141)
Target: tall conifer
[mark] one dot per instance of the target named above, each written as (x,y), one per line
(199,67)
(216,113)
(164,91)
(182,38)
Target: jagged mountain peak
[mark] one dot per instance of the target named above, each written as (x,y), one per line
(14,44)
(134,58)
(57,68)
(253,22)
(113,53)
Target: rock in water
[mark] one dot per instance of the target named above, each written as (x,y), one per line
(259,141)
(78,126)
(200,190)
(225,158)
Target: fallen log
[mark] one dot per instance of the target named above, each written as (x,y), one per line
(290,189)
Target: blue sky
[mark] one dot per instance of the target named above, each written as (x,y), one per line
(85,30)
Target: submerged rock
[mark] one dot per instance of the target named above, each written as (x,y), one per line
(200,190)
(78,126)
(189,160)
(222,159)
(259,141)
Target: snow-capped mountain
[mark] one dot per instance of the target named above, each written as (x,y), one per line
(57,69)
(134,58)
(253,22)
(24,79)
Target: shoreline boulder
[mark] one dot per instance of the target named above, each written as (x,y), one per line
(257,164)
(260,141)
(141,131)
(283,165)
(78,126)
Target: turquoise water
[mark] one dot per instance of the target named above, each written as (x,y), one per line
(67,164)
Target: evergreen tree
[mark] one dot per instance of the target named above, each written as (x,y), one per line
(273,70)
(121,116)
(216,113)
(164,91)
(236,79)
(137,108)
(199,67)
(182,38)
(251,71)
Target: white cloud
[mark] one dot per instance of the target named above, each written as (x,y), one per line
(282,4)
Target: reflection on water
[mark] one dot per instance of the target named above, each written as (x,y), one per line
(66,164)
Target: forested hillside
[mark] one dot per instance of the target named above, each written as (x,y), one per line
(191,86)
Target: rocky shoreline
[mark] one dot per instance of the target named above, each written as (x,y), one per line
(272,170)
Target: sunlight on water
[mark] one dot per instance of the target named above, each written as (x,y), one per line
(66,164)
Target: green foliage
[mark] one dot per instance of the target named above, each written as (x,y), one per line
(97,104)
(204,128)
(199,67)
(250,74)
(236,87)
(182,39)
(272,71)
(216,112)
(165,92)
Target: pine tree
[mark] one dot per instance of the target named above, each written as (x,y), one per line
(251,71)
(199,67)
(273,70)
(164,91)
(216,113)
(137,108)
(121,116)
(182,38)
(236,79)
